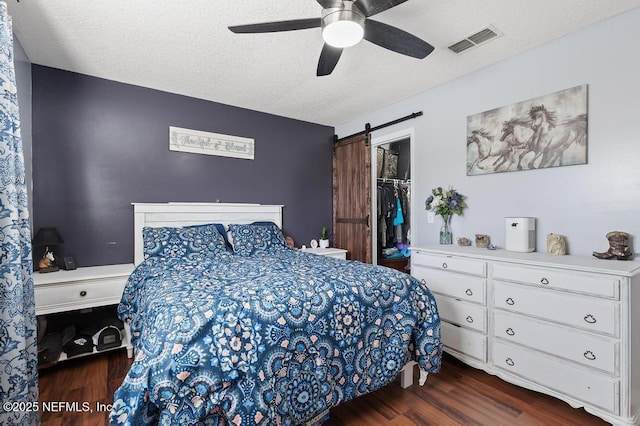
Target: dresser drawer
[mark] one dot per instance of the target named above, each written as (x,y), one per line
(577,382)
(463,287)
(585,348)
(600,285)
(571,309)
(464,341)
(464,314)
(449,263)
(78,294)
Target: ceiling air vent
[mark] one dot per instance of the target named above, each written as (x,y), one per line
(473,40)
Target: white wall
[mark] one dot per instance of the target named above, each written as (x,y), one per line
(582,202)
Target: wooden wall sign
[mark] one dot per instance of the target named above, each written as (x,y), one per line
(198,142)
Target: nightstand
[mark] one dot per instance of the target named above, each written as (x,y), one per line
(330,251)
(82,288)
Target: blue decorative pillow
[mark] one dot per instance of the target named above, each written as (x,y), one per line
(252,239)
(188,242)
(221,229)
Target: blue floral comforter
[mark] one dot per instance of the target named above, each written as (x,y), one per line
(271,339)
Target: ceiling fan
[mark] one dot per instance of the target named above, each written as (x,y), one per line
(344,23)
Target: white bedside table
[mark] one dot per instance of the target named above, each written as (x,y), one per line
(82,288)
(330,251)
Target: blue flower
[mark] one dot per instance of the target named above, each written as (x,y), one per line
(428,202)
(445,202)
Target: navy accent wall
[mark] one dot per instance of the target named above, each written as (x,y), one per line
(99,145)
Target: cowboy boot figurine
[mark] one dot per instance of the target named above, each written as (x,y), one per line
(619,247)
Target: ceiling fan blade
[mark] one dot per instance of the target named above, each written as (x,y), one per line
(395,39)
(328,4)
(328,59)
(277,26)
(372,7)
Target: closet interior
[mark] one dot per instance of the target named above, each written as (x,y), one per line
(393,200)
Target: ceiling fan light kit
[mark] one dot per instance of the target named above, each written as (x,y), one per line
(344,23)
(342,27)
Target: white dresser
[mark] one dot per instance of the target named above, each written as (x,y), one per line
(558,325)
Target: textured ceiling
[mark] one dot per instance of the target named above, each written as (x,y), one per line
(185,47)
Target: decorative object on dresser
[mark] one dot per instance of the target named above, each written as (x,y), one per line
(290,242)
(619,247)
(47,263)
(464,241)
(446,204)
(94,287)
(563,326)
(69,263)
(313,244)
(446,236)
(556,245)
(482,240)
(520,234)
(324,237)
(47,237)
(547,131)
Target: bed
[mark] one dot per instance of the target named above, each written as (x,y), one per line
(261,333)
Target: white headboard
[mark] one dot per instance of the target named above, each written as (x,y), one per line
(184,214)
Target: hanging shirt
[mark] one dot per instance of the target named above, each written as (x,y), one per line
(399,219)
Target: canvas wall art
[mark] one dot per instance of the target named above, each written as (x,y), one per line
(547,131)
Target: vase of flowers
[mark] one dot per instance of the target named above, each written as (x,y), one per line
(446,204)
(446,236)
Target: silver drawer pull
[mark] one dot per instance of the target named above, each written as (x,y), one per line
(590,319)
(510,331)
(589,355)
(511,302)
(544,281)
(444,265)
(509,362)
(469,319)
(468,292)
(83,293)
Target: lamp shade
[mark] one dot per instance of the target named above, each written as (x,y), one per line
(47,236)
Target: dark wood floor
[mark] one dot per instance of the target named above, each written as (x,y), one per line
(457,395)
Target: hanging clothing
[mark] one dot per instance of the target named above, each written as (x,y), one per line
(399,219)
(387,211)
(393,215)
(405,202)
(18,346)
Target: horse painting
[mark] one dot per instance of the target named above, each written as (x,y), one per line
(552,139)
(547,131)
(489,147)
(544,137)
(520,132)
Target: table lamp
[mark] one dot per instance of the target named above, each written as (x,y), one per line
(47,237)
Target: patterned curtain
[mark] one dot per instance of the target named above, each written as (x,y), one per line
(18,337)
